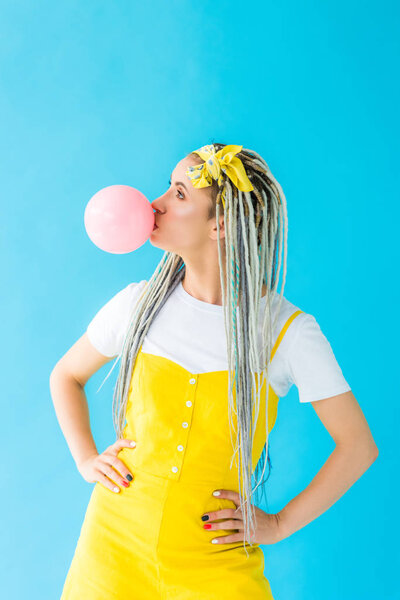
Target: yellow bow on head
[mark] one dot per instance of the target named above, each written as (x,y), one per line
(216,163)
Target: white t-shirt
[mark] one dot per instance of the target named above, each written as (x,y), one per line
(191,333)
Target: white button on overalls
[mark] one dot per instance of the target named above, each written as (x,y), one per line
(180,447)
(192,380)
(175,469)
(184,424)
(188,403)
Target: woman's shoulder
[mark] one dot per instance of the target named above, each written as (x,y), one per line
(287,310)
(303,336)
(134,286)
(108,325)
(124,297)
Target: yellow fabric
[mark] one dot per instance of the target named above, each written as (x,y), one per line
(216,163)
(147,541)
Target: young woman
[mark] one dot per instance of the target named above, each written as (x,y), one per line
(207,348)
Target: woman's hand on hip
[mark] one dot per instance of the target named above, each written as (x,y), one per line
(106,468)
(267,530)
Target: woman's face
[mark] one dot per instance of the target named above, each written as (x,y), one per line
(182,215)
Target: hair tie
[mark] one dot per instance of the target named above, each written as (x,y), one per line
(217,163)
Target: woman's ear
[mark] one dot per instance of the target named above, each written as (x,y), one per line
(214,231)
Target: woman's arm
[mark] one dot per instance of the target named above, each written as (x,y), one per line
(354,453)
(67,382)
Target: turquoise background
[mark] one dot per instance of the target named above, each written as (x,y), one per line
(100,93)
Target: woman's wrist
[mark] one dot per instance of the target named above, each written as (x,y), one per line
(85,457)
(282,529)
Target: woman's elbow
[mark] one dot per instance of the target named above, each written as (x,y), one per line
(368,452)
(362,451)
(374,451)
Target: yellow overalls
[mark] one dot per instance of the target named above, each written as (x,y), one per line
(147,542)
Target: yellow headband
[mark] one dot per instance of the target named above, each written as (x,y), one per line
(216,163)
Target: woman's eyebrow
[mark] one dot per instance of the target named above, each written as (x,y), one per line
(180,183)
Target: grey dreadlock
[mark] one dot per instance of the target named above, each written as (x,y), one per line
(255,234)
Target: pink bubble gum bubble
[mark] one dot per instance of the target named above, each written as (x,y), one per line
(119,219)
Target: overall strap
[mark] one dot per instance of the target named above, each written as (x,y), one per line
(283,331)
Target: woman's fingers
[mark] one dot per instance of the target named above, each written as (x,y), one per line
(107,483)
(228,524)
(122,443)
(112,474)
(224,513)
(116,462)
(120,467)
(106,468)
(113,467)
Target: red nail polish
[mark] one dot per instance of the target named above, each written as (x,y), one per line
(124,483)
(207,526)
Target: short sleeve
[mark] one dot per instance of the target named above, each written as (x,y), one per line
(106,331)
(312,365)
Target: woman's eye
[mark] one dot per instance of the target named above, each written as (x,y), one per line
(179,192)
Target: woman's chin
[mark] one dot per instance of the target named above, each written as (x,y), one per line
(153,240)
